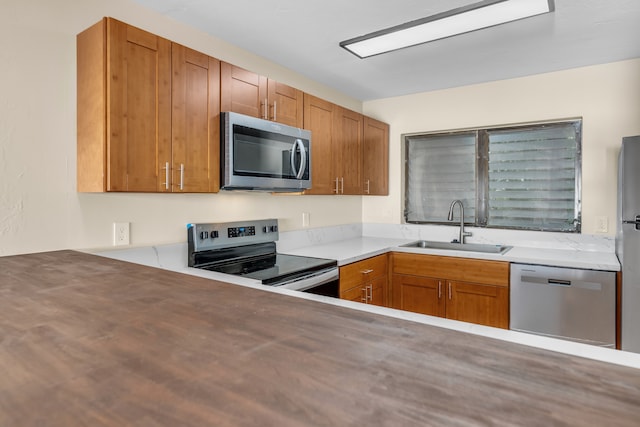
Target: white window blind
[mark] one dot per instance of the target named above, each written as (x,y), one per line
(525,177)
(532,178)
(440,169)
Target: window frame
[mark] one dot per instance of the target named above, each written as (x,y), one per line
(482,172)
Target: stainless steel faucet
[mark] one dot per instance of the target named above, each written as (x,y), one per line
(463,233)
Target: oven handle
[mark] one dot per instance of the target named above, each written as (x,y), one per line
(312,280)
(303,159)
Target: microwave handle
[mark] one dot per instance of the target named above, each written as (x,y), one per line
(303,158)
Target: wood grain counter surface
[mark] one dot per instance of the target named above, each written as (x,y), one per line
(88,340)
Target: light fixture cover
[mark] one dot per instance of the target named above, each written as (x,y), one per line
(473,17)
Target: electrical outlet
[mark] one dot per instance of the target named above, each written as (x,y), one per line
(121,233)
(602,224)
(305,219)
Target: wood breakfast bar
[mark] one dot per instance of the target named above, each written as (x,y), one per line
(87,340)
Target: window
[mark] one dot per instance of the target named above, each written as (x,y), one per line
(518,177)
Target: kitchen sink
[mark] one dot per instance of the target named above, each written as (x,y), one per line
(467,247)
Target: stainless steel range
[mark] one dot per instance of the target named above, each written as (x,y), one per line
(248,249)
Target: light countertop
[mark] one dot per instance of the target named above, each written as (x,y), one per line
(355,249)
(174,258)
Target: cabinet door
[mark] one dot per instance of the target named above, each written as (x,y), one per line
(477,303)
(285,104)
(195,122)
(378,291)
(418,294)
(139,107)
(242,91)
(347,152)
(318,118)
(375,157)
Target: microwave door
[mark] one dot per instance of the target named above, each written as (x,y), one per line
(270,158)
(261,157)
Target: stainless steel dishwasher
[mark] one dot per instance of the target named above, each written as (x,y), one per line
(572,304)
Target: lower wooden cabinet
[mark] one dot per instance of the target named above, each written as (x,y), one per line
(365,281)
(432,285)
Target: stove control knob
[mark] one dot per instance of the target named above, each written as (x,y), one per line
(273,228)
(265,229)
(214,234)
(204,235)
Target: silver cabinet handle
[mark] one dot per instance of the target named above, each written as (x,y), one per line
(166,175)
(367,190)
(181,176)
(439,289)
(274,111)
(303,158)
(449,290)
(336,190)
(367,271)
(364,296)
(370,293)
(265,115)
(342,185)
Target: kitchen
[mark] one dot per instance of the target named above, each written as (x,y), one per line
(42,211)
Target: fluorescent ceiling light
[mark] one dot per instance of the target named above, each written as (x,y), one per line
(457,21)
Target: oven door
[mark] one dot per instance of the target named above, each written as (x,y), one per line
(325,282)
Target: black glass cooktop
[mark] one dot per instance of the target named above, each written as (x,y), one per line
(270,268)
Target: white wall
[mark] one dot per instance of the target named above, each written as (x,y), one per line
(39,206)
(607,97)
(41,210)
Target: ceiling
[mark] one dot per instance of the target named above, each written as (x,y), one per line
(303,35)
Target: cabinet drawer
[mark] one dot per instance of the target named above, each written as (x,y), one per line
(361,271)
(453,268)
(369,292)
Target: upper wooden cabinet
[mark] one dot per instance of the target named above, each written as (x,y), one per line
(249,93)
(347,152)
(195,122)
(149,119)
(375,157)
(286,104)
(345,146)
(147,113)
(124,107)
(319,116)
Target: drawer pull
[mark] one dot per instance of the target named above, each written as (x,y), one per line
(367,271)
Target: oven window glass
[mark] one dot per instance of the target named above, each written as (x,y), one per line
(265,154)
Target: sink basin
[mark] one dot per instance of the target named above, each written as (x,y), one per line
(467,247)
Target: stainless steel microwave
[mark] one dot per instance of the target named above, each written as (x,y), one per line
(260,155)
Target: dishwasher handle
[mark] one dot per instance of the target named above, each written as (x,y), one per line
(559,282)
(565,284)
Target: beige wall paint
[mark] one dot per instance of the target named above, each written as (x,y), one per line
(39,207)
(607,97)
